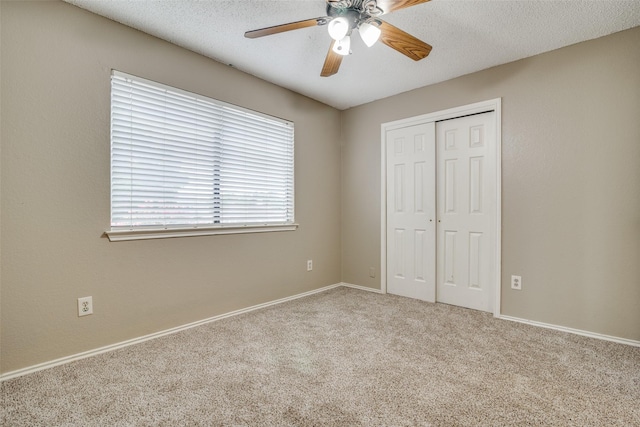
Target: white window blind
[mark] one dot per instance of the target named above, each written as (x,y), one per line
(183,160)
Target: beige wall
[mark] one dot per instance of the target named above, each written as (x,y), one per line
(570,184)
(56,62)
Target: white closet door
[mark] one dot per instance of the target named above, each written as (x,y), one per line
(466,200)
(411,211)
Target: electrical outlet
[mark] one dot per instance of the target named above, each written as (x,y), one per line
(309,265)
(372,272)
(516,283)
(85,306)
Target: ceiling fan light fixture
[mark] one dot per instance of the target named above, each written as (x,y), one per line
(369,33)
(342,46)
(344,16)
(338,28)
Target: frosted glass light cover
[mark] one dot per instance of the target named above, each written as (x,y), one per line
(338,28)
(369,33)
(342,46)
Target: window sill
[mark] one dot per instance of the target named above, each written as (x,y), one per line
(166,233)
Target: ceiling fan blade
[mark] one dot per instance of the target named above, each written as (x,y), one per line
(403,42)
(388,6)
(286,27)
(331,63)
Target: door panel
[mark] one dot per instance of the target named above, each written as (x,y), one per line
(466,200)
(411,211)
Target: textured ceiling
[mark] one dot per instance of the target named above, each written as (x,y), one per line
(466,35)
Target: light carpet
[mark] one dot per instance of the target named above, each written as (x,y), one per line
(342,358)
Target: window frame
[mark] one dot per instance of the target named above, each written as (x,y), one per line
(142,232)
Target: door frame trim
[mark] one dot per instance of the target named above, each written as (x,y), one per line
(451,113)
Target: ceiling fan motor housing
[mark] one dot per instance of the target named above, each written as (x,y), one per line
(355,12)
(351,15)
(365,8)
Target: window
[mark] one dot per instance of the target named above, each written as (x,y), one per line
(184,164)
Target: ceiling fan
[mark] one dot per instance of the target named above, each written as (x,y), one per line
(344,16)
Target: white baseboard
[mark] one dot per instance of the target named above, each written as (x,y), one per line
(572,331)
(116,346)
(362,288)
